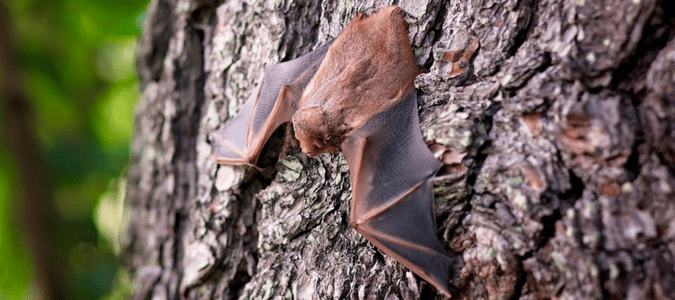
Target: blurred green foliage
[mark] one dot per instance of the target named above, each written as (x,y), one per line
(77,60)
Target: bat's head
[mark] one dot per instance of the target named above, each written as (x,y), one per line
(316,133)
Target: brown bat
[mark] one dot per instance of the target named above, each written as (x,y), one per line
(356,95)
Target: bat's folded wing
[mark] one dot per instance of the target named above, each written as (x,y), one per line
(241,139)
(390,168)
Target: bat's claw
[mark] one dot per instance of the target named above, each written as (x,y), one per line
(256,167)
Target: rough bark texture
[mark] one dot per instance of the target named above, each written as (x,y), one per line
(554,118)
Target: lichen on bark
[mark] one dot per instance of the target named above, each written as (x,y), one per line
(554,119)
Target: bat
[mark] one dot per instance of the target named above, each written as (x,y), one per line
(356,95)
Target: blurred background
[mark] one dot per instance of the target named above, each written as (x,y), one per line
(67,94)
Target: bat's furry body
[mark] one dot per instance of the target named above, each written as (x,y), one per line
(368,68)
(356,95)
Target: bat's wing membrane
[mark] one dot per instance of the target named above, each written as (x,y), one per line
(241,139)
(390,168)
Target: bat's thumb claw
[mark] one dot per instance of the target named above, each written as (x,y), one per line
(256,167)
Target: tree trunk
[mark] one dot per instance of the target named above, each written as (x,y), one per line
(554,119)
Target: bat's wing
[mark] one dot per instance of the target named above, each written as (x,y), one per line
(241,139)
(390,167)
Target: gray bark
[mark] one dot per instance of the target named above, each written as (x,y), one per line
(554,119)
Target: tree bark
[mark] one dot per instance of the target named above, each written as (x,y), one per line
(554,119)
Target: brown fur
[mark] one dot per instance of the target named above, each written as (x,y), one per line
(369,68)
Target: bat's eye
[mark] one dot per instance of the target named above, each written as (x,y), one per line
(311,145)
